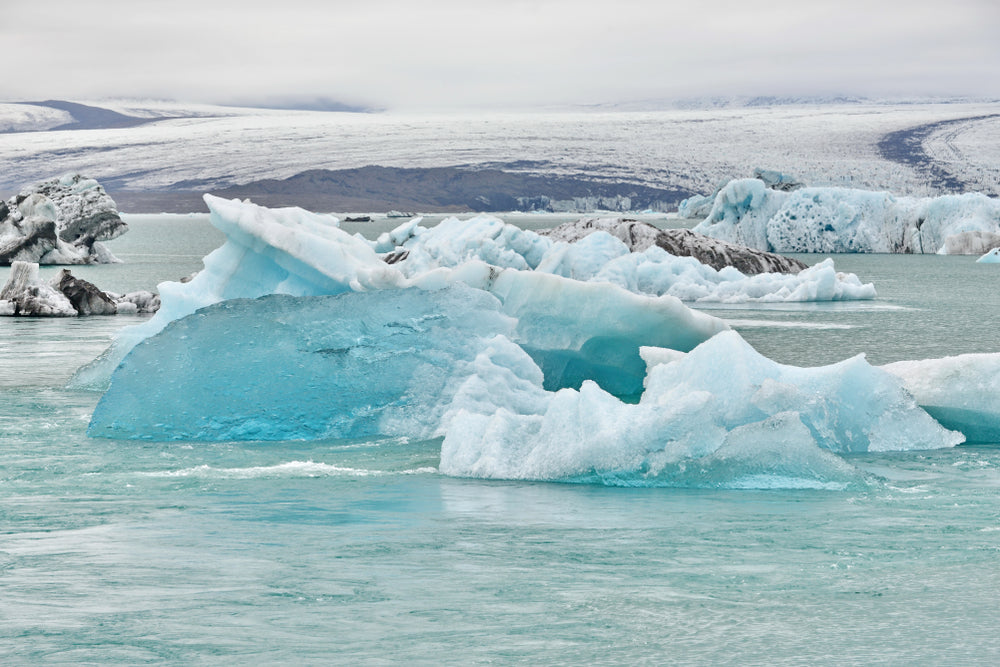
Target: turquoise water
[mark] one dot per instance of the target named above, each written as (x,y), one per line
(359,552)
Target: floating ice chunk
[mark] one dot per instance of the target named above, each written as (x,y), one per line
(25,293)
(961,392)
(595,255)
(992,257)
(832,220)
(657,272)
(267,251)
(693,408)
(486,238)
(283,368)
(575,330)
(970,243)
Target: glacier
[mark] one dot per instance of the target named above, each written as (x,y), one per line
(844,220)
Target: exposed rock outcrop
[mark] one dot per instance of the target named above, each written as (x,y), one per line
(60,221)
(26,294)
(639,236)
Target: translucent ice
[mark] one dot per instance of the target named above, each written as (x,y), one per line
(991,257)
(575,329)
(706,408)
(961,392)
(283,368)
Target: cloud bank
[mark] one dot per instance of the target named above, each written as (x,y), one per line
(497,53)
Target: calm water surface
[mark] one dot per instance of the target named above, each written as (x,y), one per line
(359,552)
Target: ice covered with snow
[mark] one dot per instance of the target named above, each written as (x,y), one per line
(961,392)
(719,396)
(835,220)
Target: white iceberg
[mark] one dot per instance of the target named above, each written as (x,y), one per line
(695,406)
(961,392)
(600,257)
(838,220)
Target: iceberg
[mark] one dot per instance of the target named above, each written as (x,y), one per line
(60,221)
(429,363)
(992,257)
(575,330)
(588,251)
(839,220)
(961,392)
(717,403)
(291,368)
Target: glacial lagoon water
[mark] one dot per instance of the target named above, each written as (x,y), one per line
(360,552)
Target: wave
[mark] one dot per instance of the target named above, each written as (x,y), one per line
(287,469)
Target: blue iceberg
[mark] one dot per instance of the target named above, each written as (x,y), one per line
(285,368)
(838,220)
(296,330)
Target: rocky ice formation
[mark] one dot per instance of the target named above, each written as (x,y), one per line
(26,294)
(843,220)
(640,236)
(60,221)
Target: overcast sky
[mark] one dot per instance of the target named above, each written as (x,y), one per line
(496,53)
